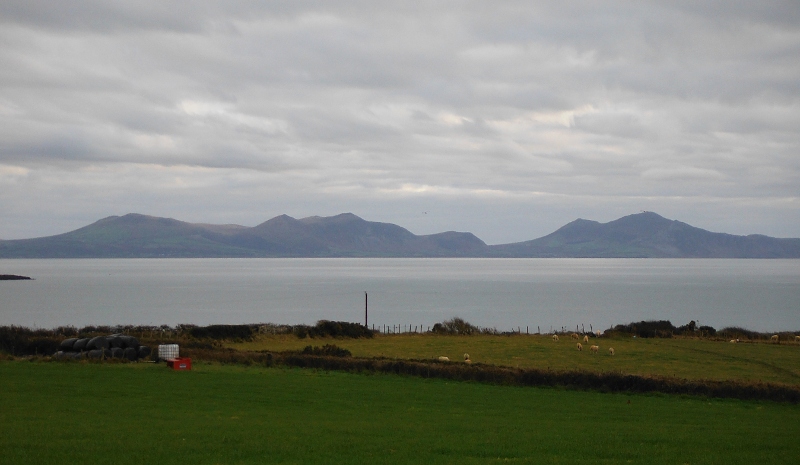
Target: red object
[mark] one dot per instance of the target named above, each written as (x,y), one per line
(180,363)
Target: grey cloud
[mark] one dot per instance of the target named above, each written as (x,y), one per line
(545,106)
(620,125)
(101,16)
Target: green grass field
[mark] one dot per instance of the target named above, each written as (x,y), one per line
(144,413)
(687,358)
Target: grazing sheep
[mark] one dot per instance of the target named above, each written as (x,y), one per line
(555,337)
(597,333)
(466,357)
(774,338)
(444,359)
(733,341)
(610,351)
(797,339)
(586,339)
(580,346)
(594,349)
(574,336)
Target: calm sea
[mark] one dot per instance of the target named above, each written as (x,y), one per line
(538,294)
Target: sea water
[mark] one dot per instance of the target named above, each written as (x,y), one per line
(506,294)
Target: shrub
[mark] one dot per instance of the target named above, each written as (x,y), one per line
(16,340)
(222,332)
(661,328)
(328,350)
(735,332)
(455,326)
(708,331)
(339,329)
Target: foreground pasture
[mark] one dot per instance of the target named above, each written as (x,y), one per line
(688,358)
(144,413)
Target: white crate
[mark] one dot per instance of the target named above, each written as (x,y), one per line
(168,351)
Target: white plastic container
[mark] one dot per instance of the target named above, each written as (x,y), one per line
(168,351)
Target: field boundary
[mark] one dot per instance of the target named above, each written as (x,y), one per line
(493,374)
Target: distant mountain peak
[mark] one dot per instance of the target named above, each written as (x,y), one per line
(340,218)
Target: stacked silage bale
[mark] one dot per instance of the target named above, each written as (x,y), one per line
(103,347)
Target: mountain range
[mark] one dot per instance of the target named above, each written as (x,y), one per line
(641,235)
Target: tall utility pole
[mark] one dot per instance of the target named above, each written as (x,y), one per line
(366,310)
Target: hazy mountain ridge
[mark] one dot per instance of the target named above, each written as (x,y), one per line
(346,235)
(648,235)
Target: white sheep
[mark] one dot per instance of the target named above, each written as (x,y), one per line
(466,357)
(574,336)
(774,338)
(733,341)
(597,333)
(610,351)
(444,359)
(580,346)
(555,337)
(586,339)
(797,339)
(594,349)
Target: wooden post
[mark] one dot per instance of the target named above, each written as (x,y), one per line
(366,308)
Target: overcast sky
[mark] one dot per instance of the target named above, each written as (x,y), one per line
(504,119)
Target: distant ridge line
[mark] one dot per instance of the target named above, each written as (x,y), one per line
(641,235)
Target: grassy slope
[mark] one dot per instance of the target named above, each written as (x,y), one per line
(69,412)
(683,358)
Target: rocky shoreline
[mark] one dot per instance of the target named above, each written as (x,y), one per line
(13,277)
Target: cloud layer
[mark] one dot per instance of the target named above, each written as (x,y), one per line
(506,120)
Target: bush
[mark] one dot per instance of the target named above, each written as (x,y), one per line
(339,329)
(327,350)
(661,328)
(455,326)
(735,332)
(16,340)
(222,332)
(708,331)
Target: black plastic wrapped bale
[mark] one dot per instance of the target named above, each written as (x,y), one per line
(99,342)
(80,345)
(129,353)
(130,341)
(68,344)
(61,355)
(95,353)
(116,352)
(144,352)
(114,341)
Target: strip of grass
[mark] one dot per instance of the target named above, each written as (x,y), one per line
(693,359)
(141,413)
